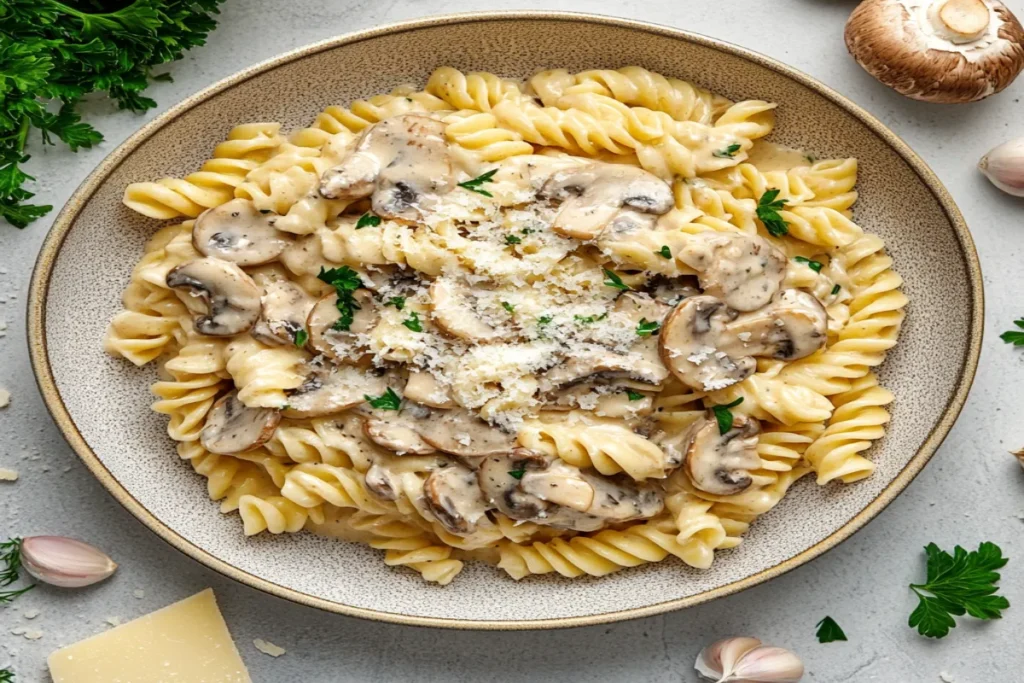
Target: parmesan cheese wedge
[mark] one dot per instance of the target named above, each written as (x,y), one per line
(187,641)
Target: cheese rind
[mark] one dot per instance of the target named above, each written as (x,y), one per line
(186,641)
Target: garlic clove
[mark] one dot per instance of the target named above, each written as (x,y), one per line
(1004,166)
(746,660)
(65,562)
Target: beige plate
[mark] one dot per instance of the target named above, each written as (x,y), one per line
(101,404)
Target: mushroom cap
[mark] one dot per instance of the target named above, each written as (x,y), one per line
(237,231)
(231,298)
(232,427)
(720,464)
(455,315)
(341,346)
(399,431)
(744,271)
(423,387)
(453,496)
(460,432)
(938,50)
(332,389)
(285,307)
(689,345)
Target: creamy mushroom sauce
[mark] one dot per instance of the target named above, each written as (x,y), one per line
(455,304)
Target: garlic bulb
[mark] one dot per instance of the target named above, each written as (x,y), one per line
(65,562)
(1004,166)
(746,660)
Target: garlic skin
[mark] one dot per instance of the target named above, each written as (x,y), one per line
(746,660)
(1004,166)
(65,562)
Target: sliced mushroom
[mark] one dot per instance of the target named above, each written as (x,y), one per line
(744,271)
(456,316)
(423,387)
(285,307)
(528,486)
(380,482)
(232,427)
(600,366)
(331,389)
(454,497)
(237,231)
(460,432)
(720,464)
(229,295)
(403,162)
(339,345)
(398,431)
(671,291)
(593,195)
(710,346)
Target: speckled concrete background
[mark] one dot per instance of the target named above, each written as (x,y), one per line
(972,491)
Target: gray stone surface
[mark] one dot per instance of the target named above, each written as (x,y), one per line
(972,491)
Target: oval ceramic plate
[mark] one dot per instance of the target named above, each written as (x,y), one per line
(102,404)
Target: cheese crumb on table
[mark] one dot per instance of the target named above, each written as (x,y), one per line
(8,475)
(31,614)
(139,593)
(28,633)
(268,648)
(5,398)
(187,641)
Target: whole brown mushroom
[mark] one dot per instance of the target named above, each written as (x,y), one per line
(938,50)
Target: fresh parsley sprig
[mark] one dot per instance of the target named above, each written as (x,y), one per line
(396,301)
(829,631)
(646,328)
(6,676)
(958,584)
(724,417)
(1014,337)
(589,319)
(633,395)
(368,220)
(768,207)
(52,54)
(413,322)
(301,337)
(345,282)
(474,184)
(613,280)
(10,565)
(727,153)
(389,400)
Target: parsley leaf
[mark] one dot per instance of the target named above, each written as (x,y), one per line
(768,211)
(1014,337)
(835,289)
(54,53)
(614,280)
(813,265)
(544,320)
(664,252)
(389,400)
(723,415)
(645,328)
(727,153)
(474,184)
(512,239)
(633,395)
(958,584)
(396,301)
(508,307)
(6,676)
(413,322)
(10,558)
(368,220)
(829,631)
(517,473)
(589,319)
(345,281)
(301,337)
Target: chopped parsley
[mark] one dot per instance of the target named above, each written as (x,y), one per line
(508,307)
(613,280)
(396,301)
(413,322)
(645,328)
(517,473)
(810,158)
(527,231)
(768,211)
(723,415)
(6,676)
(301,337)
(474,184)
(829,631)
(816,266)
(544,320)
(664,252)
(589,319)
(345,282)
(633,395)
(727,153)
(10,564)
(835,289)
(389,400)
(512,239)
(1016,338)
(368,220)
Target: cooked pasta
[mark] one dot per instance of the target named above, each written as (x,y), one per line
(568,325)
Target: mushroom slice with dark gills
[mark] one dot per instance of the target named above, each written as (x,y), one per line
(710,346)
(454,497)
(601,366)
(237,231)
(232,427)
(528,486)
(744,271)
(340,345)
(285,307)
(460,432)
(454,313)
(594,194)
(397,431)
(403,162)
(229,295)
(331,389)
(720,464)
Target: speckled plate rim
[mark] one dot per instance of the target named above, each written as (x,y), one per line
(43,270)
